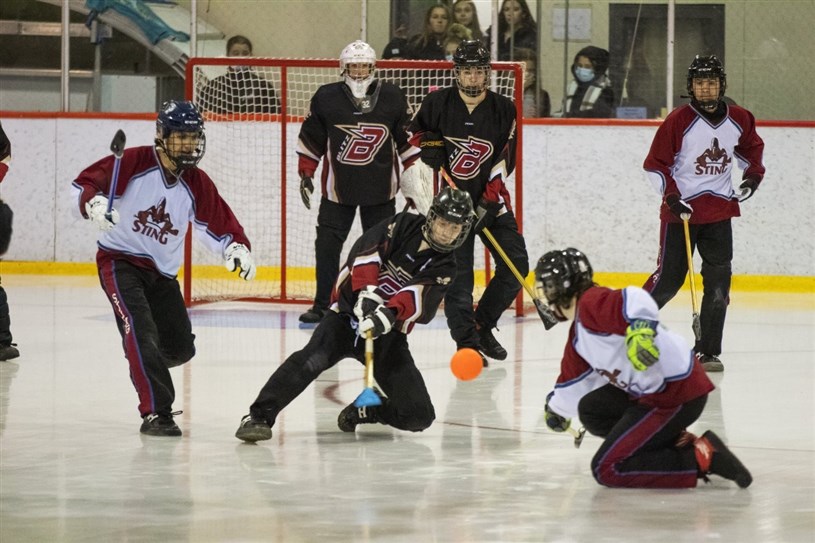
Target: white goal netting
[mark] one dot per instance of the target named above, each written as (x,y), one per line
(253,110)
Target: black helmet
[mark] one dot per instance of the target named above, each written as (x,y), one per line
(560,275)
(707,67)
(452,205)
(472,54)
(180,116)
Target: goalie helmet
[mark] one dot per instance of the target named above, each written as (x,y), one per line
(471,54)
(358,52)
(180,133)
(451,207)
(560,275)
(708,67)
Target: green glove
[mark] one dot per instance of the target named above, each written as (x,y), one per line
(554,421)
(639,341)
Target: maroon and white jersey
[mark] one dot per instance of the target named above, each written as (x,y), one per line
(362,148)
(595,355)
(694,158)
(480,145)
(410,276)
(155,209)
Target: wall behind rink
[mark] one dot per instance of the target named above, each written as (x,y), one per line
(583,186)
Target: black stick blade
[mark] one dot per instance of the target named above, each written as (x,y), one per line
(547,317)
(117,145)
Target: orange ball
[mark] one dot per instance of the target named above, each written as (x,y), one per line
(466,364)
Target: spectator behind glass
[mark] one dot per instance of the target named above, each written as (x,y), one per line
(536,101)
(241,89)
(429,44)
(516,29)
(464,13)
(397,48)
(589,93)
(456,34)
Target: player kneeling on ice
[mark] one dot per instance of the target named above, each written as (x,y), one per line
(157,191)
(395,276)
(631,381)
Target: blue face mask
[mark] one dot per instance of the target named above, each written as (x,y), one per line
(584,74)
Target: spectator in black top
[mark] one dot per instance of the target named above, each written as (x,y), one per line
(589,94)
(241,89)
(516,29)
(429,44)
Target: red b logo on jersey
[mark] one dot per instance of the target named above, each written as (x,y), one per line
(362,143)
(468,156)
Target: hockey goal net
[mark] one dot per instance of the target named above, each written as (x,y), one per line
(253,109)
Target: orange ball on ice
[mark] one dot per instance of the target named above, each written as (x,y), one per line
(466,364)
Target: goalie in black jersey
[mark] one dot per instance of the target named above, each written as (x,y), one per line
(469,131)
(358,125)
(395,276)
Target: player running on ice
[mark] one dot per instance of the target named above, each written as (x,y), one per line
(160,191)
(358,126)
(395,276)
(631,381)
(469,131)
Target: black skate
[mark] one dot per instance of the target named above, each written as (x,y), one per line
(156,424)
(714,457)
(253,429)
(489,346)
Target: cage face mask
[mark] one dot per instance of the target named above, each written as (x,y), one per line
(359,54)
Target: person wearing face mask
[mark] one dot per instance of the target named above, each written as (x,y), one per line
(358,126)
(241,89)
(589,94)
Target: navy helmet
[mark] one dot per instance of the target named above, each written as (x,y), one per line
(181,116)
(708,67)
(454,206)
(472,54)
(562,274)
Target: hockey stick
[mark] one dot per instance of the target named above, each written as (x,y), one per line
(697,326)
(117,146)
(578,436)
(545,314)
(368,398)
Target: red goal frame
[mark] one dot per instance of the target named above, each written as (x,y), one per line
(285,118)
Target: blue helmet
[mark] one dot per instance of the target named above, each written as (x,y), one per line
(180,116)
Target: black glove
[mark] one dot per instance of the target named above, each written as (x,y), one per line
(678,206)
(747,188)
(485,214)
(379,321)
(433,152)
(306,190)
(554,421)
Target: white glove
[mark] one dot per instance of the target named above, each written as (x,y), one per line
(237,255)
(417,186)
(379,321)
(367,301)
(96,208)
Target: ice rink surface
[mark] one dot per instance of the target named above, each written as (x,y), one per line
(73,466)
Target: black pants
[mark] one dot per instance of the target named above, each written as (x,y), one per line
(501,290)
(334,221)
(155,329)
(714,242)
(639,450)
(408,406)
(5,319)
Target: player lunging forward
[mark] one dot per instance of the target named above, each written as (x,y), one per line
(358,124)
(632,382)
(160,191)
(395,276)
(690,163)
(470,132)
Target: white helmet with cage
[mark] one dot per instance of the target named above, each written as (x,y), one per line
(358,52)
